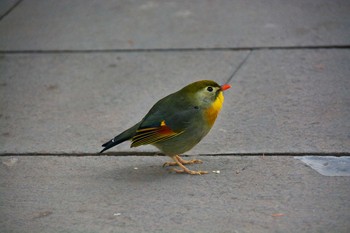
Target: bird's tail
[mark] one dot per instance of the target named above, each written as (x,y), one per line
(126,135)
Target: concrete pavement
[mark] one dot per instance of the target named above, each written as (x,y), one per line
(108,194)
(75,73)
(85,25)
(281,101)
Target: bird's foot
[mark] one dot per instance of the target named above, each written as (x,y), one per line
(182,161)
(167,164)
(191,172)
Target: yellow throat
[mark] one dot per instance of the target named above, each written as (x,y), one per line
(212,112)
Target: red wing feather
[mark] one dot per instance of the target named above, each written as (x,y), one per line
(152,135)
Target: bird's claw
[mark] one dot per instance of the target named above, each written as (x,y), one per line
(181,163)
(184,162)
(191,172)
(167,164)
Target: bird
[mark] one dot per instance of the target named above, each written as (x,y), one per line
(177,122)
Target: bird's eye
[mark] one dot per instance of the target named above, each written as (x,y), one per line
(210,89)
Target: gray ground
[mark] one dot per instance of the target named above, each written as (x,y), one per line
(75,73)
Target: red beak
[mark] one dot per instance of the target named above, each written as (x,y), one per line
(225,87)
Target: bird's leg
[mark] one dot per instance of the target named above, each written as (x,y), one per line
(185,169)
(182,161)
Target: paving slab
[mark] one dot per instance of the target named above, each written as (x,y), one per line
(5,6)
(328,165)
(282,101)
(287,101)
(72,103)
(107,194)
(90,24)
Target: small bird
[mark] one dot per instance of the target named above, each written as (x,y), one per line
(178,122)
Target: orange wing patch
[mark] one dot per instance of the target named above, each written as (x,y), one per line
(153,135)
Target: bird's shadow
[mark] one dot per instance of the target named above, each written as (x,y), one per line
(140,172)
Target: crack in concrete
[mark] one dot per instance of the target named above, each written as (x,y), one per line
(82,51)
(239,66)
(10,9)
(134,153)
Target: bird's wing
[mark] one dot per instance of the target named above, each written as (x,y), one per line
(152,135)
(164,122)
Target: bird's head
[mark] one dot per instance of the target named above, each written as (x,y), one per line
(205,93)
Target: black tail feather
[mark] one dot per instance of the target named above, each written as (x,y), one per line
(109,144)
(126,135)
